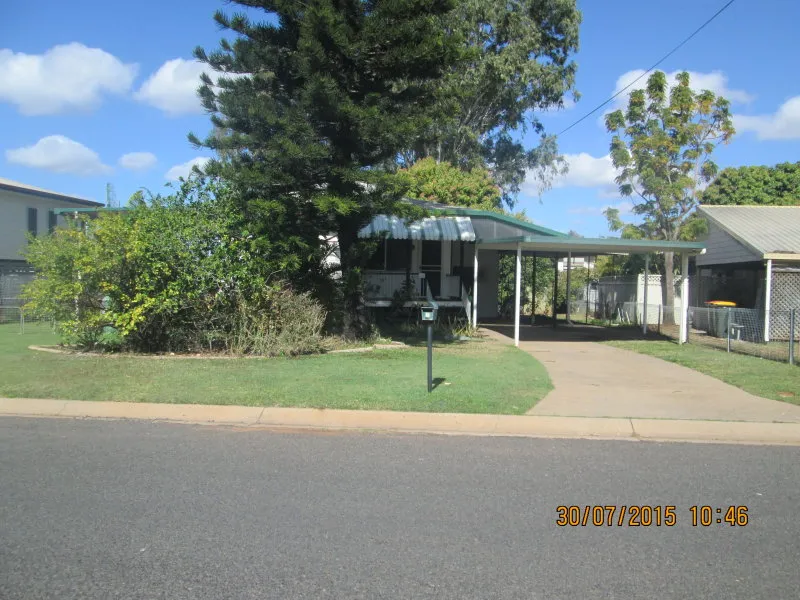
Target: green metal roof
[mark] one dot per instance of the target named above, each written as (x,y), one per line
(590,246)
(428,228)
(501,218)
(67,211)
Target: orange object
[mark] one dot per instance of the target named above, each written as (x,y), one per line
(721,303)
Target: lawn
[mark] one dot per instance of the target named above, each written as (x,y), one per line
(478,377)
(761,377)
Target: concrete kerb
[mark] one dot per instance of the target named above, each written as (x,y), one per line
(411,422)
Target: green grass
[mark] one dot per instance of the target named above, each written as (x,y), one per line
(479,377)
(761,377)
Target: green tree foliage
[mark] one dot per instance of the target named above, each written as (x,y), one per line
(181,272)
(662,146)
(318,97)
(516,63)
(442,182)
(778,185)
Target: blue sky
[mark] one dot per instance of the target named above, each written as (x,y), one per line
(93,91)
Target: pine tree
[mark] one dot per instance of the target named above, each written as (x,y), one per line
(310,103)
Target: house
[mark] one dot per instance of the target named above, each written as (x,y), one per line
(578,262)
(453,256)
(752,258)
(27,209)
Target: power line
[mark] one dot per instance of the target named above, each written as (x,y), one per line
(660,60)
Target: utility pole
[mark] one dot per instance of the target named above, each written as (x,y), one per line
(111,196)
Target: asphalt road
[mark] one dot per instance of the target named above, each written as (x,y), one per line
(103,509)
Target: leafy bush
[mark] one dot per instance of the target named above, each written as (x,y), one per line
(171,275)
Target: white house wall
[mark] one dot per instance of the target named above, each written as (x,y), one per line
(14,220)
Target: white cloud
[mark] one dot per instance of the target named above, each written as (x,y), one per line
(173,88)
(137,161)
(59,154)
(716,81)
(584,170)
(783,125)
(185,169)
(64,78)
(624,208)
(587,171)
(569,104)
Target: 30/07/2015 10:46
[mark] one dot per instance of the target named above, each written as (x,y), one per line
(648,515)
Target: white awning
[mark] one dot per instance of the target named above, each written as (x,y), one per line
(430,228)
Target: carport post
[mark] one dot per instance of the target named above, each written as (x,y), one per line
(475,288)
(684,331)
(517,278)
(767,299)
(644,297)
(555,287)
(588,279)
(569,286)
(533,292)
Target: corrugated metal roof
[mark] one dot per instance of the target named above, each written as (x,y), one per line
(430,228)
(30,189)
(765,229)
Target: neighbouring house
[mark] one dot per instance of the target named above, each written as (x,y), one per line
(453,256)
(578,262)
(752,259)
(25,209)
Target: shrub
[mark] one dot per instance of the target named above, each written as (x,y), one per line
(283,323)
(180,273)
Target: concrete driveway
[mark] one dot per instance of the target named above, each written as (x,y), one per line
(596,380)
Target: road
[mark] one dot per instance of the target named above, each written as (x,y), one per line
(114,509)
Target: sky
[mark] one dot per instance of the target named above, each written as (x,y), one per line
(95,92)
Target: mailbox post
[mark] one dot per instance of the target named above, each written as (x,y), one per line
(428,315)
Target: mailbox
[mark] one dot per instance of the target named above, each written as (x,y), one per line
(428,314)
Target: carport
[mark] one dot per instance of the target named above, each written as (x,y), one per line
(559,247)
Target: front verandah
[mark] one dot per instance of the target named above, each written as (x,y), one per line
(412,270)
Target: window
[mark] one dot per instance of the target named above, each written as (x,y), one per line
(33,218)
(398,255)
(52,220)
(432,254)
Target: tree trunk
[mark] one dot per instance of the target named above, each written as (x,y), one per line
(668,289)
(355,321)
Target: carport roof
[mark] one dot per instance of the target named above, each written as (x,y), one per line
(590,246)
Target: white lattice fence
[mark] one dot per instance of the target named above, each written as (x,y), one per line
(785,297)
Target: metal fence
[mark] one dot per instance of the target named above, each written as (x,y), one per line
(773,335)
(12,313)
(740,330)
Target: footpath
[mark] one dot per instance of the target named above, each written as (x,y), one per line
(613,428)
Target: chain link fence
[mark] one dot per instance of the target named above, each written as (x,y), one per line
(767,334)
(773,334)
(12,313)
(730,329)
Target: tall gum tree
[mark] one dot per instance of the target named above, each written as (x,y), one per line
(516,63)
(662,146)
